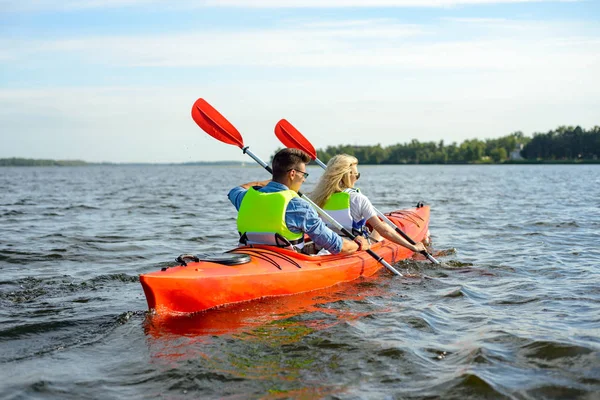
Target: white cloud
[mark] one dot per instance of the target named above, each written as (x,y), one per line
(371,44)
(154,123)
(72,5)
(361,3)
(343,81)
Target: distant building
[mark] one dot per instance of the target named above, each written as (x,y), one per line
(516,153)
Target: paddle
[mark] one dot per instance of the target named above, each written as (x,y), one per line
(291,137)
(218,127)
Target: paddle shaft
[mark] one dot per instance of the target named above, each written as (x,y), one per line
(324,215)
(390,223)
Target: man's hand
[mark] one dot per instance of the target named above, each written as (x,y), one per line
(255,183)
(362,243)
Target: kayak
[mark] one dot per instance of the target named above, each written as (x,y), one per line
(247,273)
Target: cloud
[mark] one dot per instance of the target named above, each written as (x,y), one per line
(360,3)
(74,5)
(153,123)
(348,80)
(497,45)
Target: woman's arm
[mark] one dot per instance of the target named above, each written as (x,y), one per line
(390,234)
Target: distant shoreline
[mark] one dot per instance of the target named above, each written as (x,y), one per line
(31,162)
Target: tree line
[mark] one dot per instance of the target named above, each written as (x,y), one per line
(33,162)
(564,144)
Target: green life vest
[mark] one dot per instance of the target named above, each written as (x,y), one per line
(261,219)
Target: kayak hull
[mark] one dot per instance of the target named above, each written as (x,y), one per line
(271,272)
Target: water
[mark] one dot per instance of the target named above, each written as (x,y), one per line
(513,312)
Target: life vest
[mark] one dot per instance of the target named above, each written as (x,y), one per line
(261,219)
(338,206)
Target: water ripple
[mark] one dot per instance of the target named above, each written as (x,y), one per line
(512,312)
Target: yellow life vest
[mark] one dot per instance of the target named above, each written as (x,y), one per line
(338,206)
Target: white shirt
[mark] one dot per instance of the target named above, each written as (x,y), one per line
(361,207)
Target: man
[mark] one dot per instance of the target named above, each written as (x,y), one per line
(275,215)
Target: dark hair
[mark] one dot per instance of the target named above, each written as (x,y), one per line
(287,159)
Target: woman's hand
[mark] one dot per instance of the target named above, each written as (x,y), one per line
(419,247)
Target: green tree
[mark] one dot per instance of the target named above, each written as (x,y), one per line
(498,154)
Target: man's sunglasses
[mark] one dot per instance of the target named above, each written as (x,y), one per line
(304,174)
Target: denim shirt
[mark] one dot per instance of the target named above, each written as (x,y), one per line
(299,217)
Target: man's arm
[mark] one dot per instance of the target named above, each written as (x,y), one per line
(236,195)
(301,217)
(255,183)
(350,246)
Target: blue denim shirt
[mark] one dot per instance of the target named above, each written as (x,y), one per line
(299,217)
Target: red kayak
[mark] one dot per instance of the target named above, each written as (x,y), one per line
(249,273)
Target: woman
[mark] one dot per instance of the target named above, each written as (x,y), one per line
(336,194)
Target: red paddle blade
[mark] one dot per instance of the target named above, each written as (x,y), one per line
(291,137)
(216,125)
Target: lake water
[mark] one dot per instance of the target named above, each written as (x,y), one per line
(513,311)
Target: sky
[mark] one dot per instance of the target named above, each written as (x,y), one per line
(115,80)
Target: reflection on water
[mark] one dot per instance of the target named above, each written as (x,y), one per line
(513,312)
(238,317)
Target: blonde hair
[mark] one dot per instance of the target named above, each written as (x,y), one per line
(335,178)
